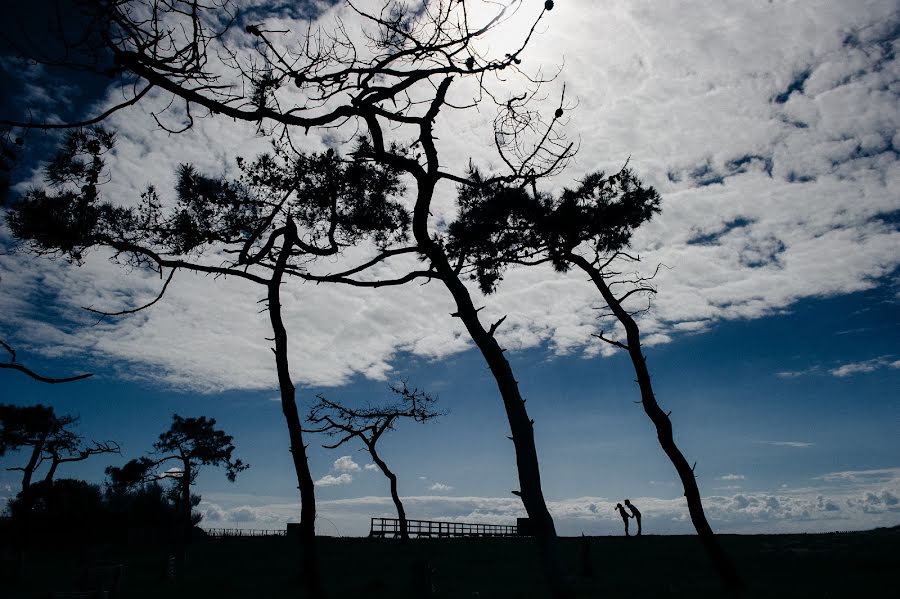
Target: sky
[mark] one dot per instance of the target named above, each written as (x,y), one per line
(770,130)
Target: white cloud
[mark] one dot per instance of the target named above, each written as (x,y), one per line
(876,503)
(345,464)
(882,476)
(865,366)
(732,477)
(211,514)
(790,374)
(245,515)
(790,443)
(370,467)
(440,488)
(329,480)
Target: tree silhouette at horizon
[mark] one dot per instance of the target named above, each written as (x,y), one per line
(369,424)
(191,443)
(50,437)
(286,209)
(501,225)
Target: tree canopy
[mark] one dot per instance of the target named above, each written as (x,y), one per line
(335,202)
(50,438)
(193,442)
(500,224)
(190,443)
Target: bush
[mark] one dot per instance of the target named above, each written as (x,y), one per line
(70,508)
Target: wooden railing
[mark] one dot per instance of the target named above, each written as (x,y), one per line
(390,527)
(220,533)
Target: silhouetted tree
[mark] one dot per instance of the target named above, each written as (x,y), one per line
(68,447)
(191,443)
(64,503)
(500,224)
(286,209)
(394,82)
(49,437)
(28,426)
(369,424)
(69,509)
(9,156)
(145,505)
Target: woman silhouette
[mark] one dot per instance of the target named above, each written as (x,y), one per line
(625,517)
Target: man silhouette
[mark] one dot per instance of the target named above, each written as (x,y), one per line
(625,517)
(636,513)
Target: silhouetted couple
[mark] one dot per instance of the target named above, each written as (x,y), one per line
(635,513)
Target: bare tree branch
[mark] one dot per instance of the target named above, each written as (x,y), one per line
(138,309)
(13,365)
(618,344)
(369,423)
(84,123)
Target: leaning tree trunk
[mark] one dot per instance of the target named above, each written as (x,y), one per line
(186,499)
(51,472)
(183,540)
(395,495)
(521,426)
(289,408)
(717,555)
(31,466)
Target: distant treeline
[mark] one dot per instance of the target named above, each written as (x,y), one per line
(73,510)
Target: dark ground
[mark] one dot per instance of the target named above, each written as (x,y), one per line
(821,565)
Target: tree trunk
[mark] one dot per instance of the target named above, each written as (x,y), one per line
(717,555)
(395,495)
(31,466)
(521,426)
(519,423)
(289,408)
(22,530)
(186,499)
(51,472)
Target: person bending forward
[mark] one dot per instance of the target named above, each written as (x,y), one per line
(636,514)
(625,517)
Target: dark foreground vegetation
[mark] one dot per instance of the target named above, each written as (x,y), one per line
(808,565)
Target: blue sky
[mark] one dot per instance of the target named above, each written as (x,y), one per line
(740,408)
(771,133)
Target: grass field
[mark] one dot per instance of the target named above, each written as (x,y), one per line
(824,565)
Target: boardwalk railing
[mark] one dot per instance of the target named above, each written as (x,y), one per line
(221,533)
(390,527)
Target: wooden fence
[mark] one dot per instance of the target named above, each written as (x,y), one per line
(222,533)
(390,527)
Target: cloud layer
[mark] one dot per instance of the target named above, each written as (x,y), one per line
(850,500)
(770,129)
